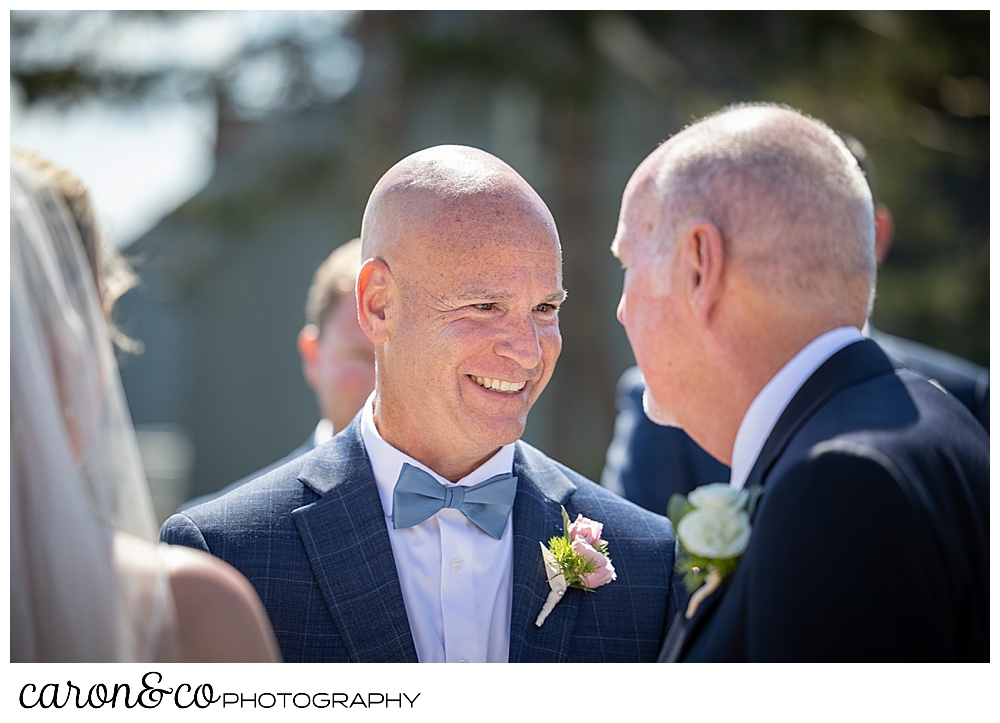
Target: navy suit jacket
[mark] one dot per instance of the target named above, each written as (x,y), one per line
(311,537)
(871,540)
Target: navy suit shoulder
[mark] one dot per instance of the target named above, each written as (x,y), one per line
(604,502)
(871,541)
(967,381)
(306,446)
(252,529)
(261,501)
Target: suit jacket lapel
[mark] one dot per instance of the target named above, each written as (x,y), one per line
(683,631)
(851,365)
(541,489)
(345,536)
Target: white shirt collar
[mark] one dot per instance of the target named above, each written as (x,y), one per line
(387,461)
(767,407)
(323,432)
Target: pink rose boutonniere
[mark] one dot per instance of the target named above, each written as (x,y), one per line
(579,558)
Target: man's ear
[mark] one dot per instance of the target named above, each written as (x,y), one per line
(374,289)
(885,229)
(703,259)
(308,343)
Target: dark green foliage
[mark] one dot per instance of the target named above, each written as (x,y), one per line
(573,564)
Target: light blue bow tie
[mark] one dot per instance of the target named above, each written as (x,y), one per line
(418,496)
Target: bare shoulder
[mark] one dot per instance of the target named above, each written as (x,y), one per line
(220,617)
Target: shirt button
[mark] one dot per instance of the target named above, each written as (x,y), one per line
(457,564)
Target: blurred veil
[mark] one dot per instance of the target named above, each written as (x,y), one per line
(87,582)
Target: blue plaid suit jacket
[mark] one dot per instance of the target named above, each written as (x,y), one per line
(311,537)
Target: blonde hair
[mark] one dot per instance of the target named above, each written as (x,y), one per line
(333,280)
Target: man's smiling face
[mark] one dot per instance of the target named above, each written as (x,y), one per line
(476,331)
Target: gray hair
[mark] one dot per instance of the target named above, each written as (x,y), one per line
(789,199)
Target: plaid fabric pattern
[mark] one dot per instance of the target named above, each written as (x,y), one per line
(311,538)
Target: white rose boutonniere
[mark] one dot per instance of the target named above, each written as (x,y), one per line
(712,524)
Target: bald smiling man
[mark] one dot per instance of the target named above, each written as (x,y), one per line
(748,246)
(374,547)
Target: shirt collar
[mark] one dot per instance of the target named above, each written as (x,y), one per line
(767,407)
(323,432)
(387,461)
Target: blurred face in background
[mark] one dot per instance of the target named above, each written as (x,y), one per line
(338,363)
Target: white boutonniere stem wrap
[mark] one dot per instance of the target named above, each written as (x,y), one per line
(713,528)
(578,558)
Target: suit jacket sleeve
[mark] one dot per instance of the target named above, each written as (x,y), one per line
(179,529)
(846,566)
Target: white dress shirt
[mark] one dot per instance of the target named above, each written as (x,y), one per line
(767,407)
(456,580)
